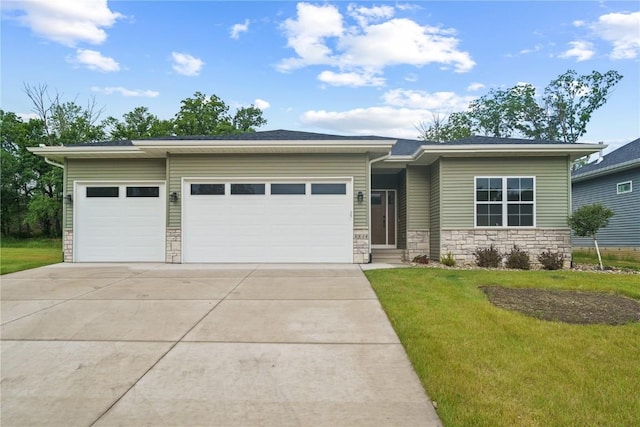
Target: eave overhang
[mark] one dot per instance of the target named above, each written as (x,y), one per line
(427,154)
(620,167)
(162,148)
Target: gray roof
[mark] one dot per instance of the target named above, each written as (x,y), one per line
(269,135)
(623,155)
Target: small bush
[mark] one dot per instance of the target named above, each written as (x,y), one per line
(551,260)
(448,260)
(421,259)
(518,259)
(488,257)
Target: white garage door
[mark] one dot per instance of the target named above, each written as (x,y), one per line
(119,222)
(267,221)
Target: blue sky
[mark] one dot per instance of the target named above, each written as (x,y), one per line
(335,67)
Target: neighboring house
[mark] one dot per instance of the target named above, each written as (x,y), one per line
(614,181)
(287,196)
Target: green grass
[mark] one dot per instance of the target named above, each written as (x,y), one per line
(18,255)
(486,366)
(608,260)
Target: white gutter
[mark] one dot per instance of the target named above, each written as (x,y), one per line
(379,159)
(52,163)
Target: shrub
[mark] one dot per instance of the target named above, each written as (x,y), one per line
(551,260)
(448,260)
(518,259)
(488,257)
(421,259)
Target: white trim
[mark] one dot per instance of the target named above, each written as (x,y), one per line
(624,183)
(503,203)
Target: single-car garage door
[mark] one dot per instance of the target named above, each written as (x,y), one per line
(267,221)
(119,222)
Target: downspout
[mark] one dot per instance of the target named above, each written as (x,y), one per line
(379,159)
(52,163)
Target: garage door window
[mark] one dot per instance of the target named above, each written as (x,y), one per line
(247,188)
(103,191)
(207,189)
(288,188)
(328,189)
(143,191)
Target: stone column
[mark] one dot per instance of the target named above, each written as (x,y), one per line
(360,245)
(174,245)
(67,245)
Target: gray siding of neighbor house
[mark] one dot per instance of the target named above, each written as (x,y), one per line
(624,227)
(109,170)
(434,235)
(457,187)
(417,197)
(270,165)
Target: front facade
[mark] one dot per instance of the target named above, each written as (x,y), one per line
(282,196)
(613,181)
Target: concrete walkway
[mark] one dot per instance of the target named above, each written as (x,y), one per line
(198,345)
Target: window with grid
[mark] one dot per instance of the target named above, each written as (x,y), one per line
(505,201)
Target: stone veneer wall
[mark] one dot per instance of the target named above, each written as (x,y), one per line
(67,245)
(462,243)
(360,245)
(174,245)
(417,244)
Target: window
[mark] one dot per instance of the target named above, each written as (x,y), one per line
(624,187)
(247,188)
(143,191)
(288,188)
(328,188)
(207,189)
(493,209)
(103,192)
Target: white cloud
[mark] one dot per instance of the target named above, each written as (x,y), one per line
(475,86)
(237,29)
(110,90)
(27,116)
(536,48)
(448,101)
(319,36)
(383,121)
(621,30)
(261,104)
(94,60)
(581,50)
(185,64)
(68,22)
(411,77)
(350,79)
(578,23)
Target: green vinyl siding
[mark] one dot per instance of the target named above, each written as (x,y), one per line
(434,229)
(417,197)
(551,192)
(109,170)
(402,211)
(270,165)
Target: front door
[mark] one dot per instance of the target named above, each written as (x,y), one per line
(383,218)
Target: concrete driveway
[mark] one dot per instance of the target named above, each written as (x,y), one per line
(197,345)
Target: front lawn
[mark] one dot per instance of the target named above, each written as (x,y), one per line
(487,366)
(608,260)
(17,255)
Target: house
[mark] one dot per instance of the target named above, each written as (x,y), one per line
(614,181)
(289,196)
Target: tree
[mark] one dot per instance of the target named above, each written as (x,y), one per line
(588,220)
(571,99)
(138,124)
(562,113)
(210,116)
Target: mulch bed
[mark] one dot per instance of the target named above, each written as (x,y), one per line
(566,306)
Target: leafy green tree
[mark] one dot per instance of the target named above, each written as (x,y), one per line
(587,220)
(456,126)
(138,124)
(202,115)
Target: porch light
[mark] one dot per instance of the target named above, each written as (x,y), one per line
(360,197)
(173,197)
(68,198)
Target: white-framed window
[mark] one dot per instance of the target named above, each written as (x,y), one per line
(624,187)
(505,201)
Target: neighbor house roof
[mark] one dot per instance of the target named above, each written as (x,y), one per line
(623,158)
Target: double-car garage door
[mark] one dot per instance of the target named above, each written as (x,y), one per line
(267,221)
(260,220)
